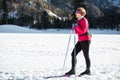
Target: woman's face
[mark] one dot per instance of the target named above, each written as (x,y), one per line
(78,14)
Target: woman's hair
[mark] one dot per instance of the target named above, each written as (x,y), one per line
(82,11)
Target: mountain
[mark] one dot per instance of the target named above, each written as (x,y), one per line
(59,7)
(59,12)
(105,3)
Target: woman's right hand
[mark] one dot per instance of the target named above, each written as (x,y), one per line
(74,25)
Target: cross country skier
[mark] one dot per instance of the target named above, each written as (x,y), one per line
(84,39)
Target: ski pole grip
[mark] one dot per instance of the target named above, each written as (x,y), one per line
(73,25)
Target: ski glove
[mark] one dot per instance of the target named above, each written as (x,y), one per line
(74,25)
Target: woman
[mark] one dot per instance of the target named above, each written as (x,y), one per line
(84,39)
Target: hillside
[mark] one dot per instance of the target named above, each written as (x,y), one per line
(42,14)
(18,29)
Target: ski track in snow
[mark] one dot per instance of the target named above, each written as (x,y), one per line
(34,56)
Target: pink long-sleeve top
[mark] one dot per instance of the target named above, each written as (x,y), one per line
(81,28)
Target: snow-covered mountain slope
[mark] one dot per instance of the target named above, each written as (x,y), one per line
(18,29)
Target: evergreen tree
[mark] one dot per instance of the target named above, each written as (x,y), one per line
(5,10)
(4,6)
(57,23)
(78,3)
(45,20)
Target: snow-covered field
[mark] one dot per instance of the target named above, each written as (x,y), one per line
(32,54)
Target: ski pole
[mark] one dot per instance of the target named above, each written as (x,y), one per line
(75,53)
(67,51)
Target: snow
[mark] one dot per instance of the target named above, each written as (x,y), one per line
(13,14)
(52,14)
(18,29)
(115,3)
(27,54)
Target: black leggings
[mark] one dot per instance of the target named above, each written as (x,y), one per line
(84,46)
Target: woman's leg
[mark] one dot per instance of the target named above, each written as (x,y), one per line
(85,47)
(76,49)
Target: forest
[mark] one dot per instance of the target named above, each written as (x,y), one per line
(58,14)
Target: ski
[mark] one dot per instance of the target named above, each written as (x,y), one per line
(59,76)
(83,75)
(56,76)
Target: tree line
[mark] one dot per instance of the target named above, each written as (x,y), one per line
(36,15)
